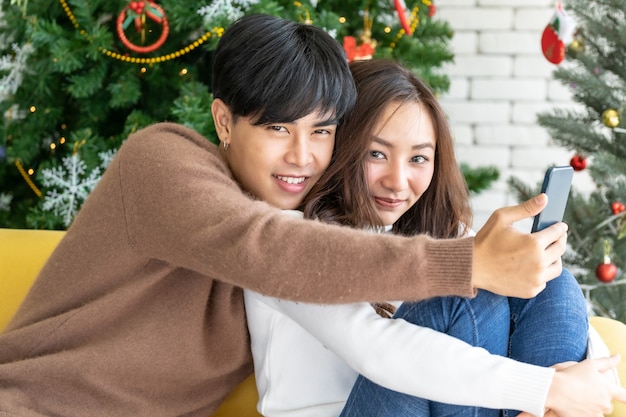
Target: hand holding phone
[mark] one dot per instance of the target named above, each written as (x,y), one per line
(556,185)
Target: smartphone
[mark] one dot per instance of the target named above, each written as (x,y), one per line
(556,185)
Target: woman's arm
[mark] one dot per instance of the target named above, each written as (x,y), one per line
(428,364)
(417,360)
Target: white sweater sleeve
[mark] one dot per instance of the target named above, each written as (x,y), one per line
(420,361)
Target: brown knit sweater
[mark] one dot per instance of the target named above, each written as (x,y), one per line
(138,312)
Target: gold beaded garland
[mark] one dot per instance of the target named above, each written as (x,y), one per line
(135,60)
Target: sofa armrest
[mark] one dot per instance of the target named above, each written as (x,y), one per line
(613,334)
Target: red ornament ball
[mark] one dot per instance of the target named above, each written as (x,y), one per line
(432,9)
(617,207)
(578,162)
(606,272)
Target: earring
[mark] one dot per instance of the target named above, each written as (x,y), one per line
(225,145)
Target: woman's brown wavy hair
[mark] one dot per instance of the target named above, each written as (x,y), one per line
(342,194)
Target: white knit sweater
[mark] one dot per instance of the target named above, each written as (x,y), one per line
(307,357)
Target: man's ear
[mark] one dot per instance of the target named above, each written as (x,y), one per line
(221,119)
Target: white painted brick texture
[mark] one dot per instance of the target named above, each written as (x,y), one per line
(500,81)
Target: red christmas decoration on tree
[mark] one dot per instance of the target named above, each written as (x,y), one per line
(139,12)
(365,47)
(557,35)
(578,162)
(402,15)
(432,9)
(617,207)
(360,52)
(607,270)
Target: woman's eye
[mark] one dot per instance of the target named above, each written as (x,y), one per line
(419,159)
(323,132)
(377,154)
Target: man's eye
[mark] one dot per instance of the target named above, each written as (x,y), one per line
(276,128)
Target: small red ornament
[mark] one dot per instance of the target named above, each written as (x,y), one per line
(617,207)
(606,271)
(578,162)
(432,9)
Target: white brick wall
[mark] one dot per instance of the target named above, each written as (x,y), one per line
(500,80)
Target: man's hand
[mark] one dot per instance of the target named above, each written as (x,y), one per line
(512,263)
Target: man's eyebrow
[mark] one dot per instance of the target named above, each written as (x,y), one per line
(390,145)
(328,122)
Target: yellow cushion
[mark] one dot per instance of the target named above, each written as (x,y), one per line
(23,253)
(613,333)
(241,402)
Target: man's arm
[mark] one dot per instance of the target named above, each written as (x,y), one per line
(182,206)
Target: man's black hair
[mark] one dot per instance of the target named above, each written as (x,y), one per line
(276,70)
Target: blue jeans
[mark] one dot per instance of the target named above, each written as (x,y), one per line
(551,328)
(544,330)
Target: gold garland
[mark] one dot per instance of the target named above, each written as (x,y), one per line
(135,60)
(26,177)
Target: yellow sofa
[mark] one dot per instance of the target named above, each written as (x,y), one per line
(23,253)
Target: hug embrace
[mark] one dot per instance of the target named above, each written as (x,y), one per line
(181,239)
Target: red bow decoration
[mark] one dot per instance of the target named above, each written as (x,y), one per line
(354,52)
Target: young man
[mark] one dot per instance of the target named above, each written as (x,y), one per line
(139,311)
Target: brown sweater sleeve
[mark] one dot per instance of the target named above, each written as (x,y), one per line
(182,206)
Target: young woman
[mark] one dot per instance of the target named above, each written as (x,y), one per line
(394,169)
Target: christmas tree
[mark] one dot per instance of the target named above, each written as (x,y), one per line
(77,77)
(595,132)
